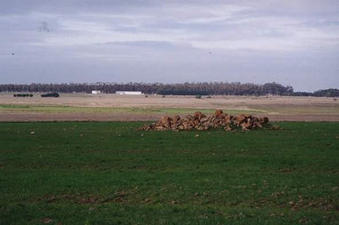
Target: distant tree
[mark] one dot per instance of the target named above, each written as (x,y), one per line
(200,88)
(327,93)
(277,89)
(302,93)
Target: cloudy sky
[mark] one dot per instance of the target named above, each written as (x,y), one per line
(293,42)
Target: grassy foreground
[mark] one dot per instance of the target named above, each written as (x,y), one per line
(109,173)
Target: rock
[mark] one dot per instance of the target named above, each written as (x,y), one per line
(218,112)
(198,116)
(200,121)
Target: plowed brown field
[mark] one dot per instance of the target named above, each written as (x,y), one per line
(110,107)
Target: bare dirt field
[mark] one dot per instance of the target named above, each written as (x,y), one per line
(110,107)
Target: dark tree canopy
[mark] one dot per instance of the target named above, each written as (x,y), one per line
(202,88)
(327,93)
(215,88)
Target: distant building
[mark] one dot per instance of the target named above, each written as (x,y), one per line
(128,92)
(95,92)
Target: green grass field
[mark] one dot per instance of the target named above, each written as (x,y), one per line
(110,173)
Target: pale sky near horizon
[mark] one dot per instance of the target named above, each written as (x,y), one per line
(292,42)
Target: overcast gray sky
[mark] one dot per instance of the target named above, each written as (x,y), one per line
(293,42)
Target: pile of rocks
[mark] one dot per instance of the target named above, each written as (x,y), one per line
(200,121)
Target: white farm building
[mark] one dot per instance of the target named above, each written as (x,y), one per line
(128,92)
(95,92)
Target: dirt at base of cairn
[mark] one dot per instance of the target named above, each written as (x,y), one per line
(199,121)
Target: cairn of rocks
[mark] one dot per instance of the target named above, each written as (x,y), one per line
(200,121)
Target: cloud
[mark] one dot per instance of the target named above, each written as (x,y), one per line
(173,35)
(260,33)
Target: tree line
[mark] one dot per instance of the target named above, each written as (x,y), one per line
(199,88)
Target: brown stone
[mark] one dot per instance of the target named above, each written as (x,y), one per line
(200,121)
(198,115)
(218,113)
